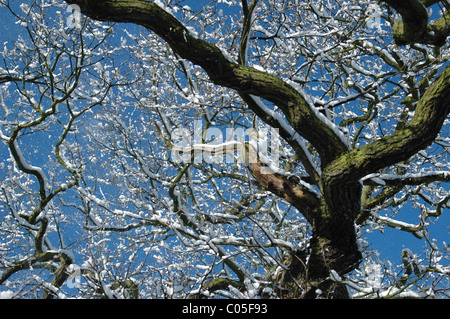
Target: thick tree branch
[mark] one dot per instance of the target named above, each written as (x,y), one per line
(300,197)
(419,133)
(341,188)
(414,27)
(220,69)
(287,133)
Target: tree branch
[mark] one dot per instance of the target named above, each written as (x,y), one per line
(220,69)
(420,132)
(340,178)
(414,27)
(297,195)
(287,133)
(408,179)
(246,28)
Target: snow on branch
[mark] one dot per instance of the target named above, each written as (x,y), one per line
(29,169)
(407,179)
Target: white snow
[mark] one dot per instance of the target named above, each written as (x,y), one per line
(287,128)
(6,294)
(382,178)
(29,167)
(335,276)
(126,213)
(399,224)
(319,115)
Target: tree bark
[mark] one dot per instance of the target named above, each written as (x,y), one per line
(414,27)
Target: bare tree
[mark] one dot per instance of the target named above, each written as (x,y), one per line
(236,149)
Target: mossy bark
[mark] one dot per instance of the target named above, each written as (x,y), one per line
(415,27)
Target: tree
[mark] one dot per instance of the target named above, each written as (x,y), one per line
(334,112)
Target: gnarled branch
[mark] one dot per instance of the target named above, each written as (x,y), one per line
(221,70)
